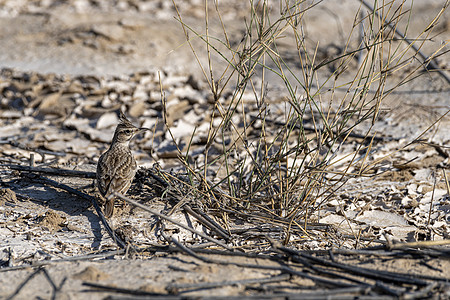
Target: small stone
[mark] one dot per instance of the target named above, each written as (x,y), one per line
(107,120)
(137,109)
(187,92)
(7,195)
(112,32)
(140,94)
(91,274)
(131,23)
(181,130)
(176,109)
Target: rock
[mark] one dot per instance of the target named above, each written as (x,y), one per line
(188,93)
(56,104)
(176,110)
(81,147)
(119,87)
(192,118)
(7,195)
(10,114)
(113,32)
(10,130)
(131,23)
(137,109)
(75,87)
(167,149)
(57,146)
(91,274)
(140,94)
(381,219)
(173,81)
(52,221)
(194,83)
(181,130)
(107,120)
(100,135)
(82,126)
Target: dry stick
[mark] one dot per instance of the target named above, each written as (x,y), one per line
(55,288)
(53,171)
(322,294)
(360,288)
(200,216)
(32,160)
(421,294)
(68,259)
(188,287)
(322,252)
(281,268)
(381,275)
(447,184)
(421,244)
(67,188)
(323,271)
(154,212)
(360,252)
(206,221)
(123,290)
(432,199)
(390,290)
(426,59)
(351,134)
(338,251)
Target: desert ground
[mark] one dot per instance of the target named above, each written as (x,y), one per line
(67,67)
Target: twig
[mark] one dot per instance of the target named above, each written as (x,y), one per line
(52,171)
(154,212)
(175,288)
(351,134)
(428,62)
(119,290)
(420,244)
(55,288)
(71,190)
(378,275)
(432,199)
(422,294)
(62,260)
(206,221)
(280,268)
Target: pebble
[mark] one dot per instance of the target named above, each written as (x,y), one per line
(107,120)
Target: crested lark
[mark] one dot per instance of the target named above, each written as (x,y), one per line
(116,167)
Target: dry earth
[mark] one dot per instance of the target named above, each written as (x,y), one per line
(66,66)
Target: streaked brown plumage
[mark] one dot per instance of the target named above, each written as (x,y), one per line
(116,167)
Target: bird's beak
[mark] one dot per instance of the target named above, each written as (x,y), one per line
(142,130)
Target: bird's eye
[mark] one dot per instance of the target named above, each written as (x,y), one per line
(128,131)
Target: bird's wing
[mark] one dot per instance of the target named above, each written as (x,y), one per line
(115,172)
(104,174)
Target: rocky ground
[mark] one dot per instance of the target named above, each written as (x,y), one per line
(68,66)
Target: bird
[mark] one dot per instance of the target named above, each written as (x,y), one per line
(117,167)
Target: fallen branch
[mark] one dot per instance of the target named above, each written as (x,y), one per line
(162,216)
(63,260)
(369,273)
(53,171)
(71,190)
(420,244)
(55,288)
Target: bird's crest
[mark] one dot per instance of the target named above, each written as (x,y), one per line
(124,121)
